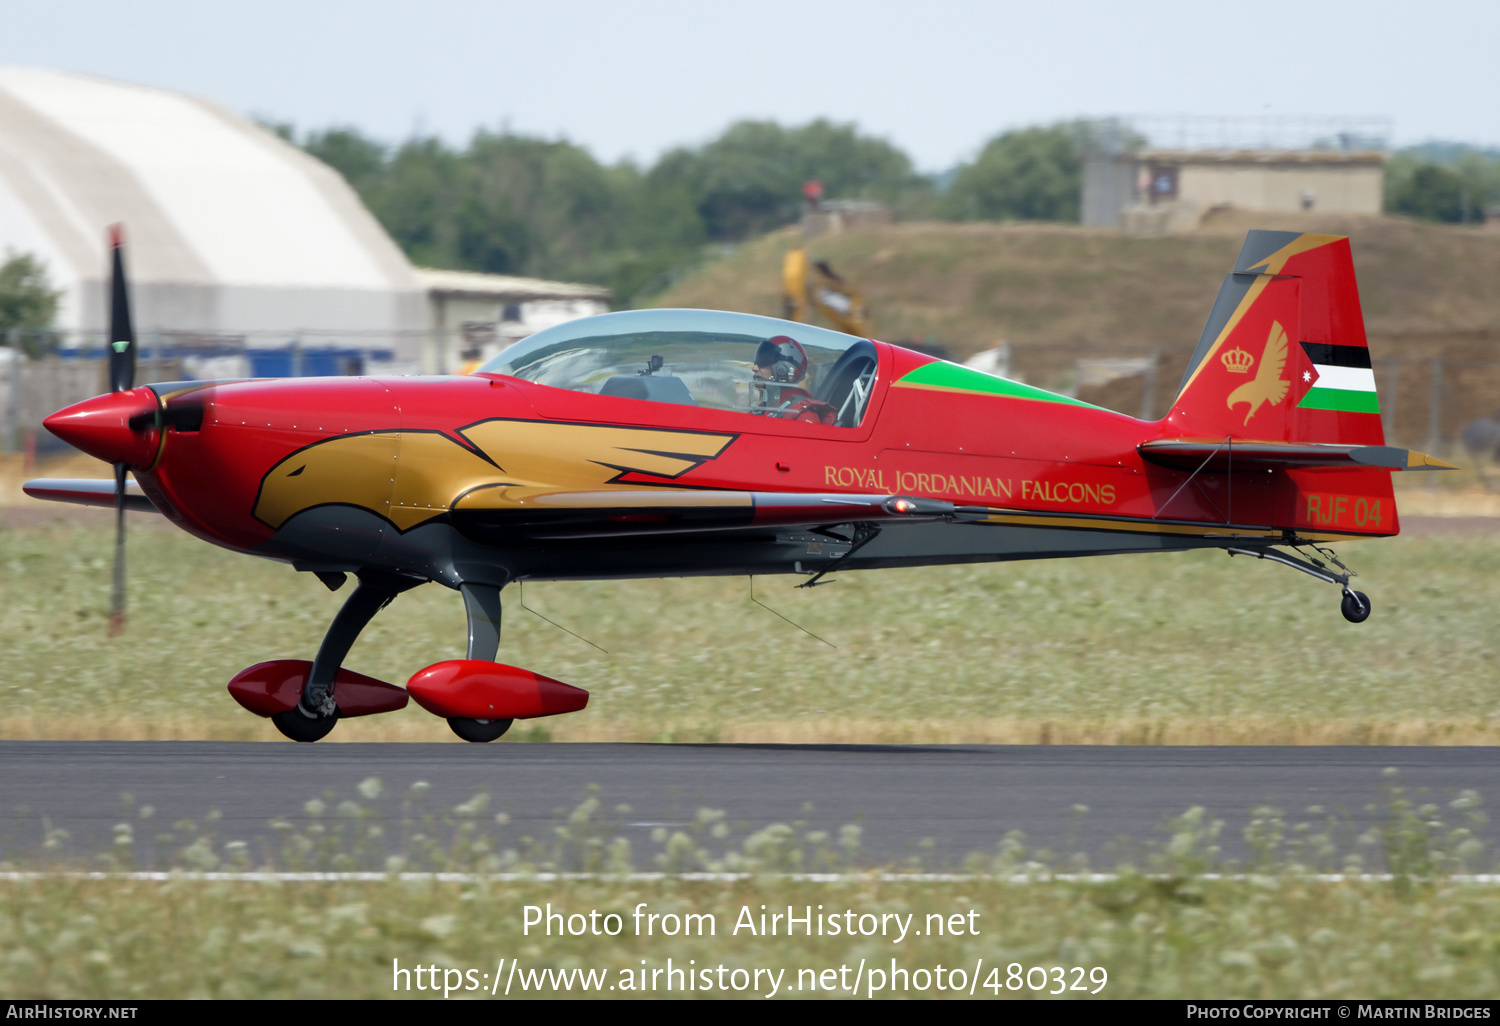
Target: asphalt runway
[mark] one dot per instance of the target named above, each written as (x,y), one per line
(916,805)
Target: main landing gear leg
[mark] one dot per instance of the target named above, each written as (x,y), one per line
(482,605)
(316,713)
(1355,605)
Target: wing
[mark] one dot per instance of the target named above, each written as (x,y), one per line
(537,514)
(87,492)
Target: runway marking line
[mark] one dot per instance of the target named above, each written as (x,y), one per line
(1488,879)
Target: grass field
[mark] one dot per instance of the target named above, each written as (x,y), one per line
(1268,938)
(1280,927)
(1187,648)
(1176,649)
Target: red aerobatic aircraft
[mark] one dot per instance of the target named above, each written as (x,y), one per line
(666,443)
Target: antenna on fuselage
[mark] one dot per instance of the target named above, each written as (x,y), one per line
(521,597)
(788,619)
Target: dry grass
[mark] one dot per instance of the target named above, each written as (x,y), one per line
(1059,285)
(15,471)
(1058,293)
(1422,498)
(415,726)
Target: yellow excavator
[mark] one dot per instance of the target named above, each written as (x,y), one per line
(812,284)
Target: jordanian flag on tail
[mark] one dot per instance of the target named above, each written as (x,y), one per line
(1341,379)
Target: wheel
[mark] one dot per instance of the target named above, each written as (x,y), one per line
(478,731)
(298,726)
(1355,607)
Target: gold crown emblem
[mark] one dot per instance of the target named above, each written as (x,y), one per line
(1237,361)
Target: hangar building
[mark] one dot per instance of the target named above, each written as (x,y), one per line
(229,228)
(246,255)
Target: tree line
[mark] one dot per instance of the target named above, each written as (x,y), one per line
(515,204)
(1447,182)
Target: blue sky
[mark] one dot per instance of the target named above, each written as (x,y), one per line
(937,78)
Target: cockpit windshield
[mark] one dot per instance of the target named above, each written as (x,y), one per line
(726,361)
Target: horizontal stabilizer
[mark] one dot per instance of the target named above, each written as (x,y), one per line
(88,492)
(1234,454)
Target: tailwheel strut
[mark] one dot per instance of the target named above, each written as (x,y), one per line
(1355,605)
(316,712)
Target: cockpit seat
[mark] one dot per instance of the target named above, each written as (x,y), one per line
(658,388)
(847,385)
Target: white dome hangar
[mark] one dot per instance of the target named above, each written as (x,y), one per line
(229,229)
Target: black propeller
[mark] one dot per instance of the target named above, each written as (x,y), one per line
(182,412)
(121,379)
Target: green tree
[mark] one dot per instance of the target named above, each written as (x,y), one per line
(423,197)
(1442,182)
(513,204)
(359,159)
(749,180)
(1432,192)
(27,299)
(285,129)
(554,198)
(1030,174)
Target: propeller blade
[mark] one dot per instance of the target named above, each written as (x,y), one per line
(121,379)
(117,589)
(121,331)
(185,412)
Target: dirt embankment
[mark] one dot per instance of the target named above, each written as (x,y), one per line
(1059,293)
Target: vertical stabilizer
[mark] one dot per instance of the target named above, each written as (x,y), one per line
(1283,356)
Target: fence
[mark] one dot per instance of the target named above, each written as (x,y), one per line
(1446,406)
(43,371)
(1253,132)
(1442,406)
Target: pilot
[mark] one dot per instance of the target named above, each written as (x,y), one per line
(780,366)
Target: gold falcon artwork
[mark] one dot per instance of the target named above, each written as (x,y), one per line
(1267,386)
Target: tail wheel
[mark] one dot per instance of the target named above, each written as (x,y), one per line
(300,727)
(478,731)
(1355,607)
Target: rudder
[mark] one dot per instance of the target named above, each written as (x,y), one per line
(1283,357)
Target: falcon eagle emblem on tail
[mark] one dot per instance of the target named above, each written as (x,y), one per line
(1268,385)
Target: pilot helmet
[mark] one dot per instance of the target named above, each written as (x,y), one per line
(784,356)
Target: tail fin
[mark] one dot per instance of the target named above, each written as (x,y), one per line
(1283,357)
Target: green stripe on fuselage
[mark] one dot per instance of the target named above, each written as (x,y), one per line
(951,376)
(1341,399)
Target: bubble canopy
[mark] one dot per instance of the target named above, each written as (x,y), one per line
(702,358)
